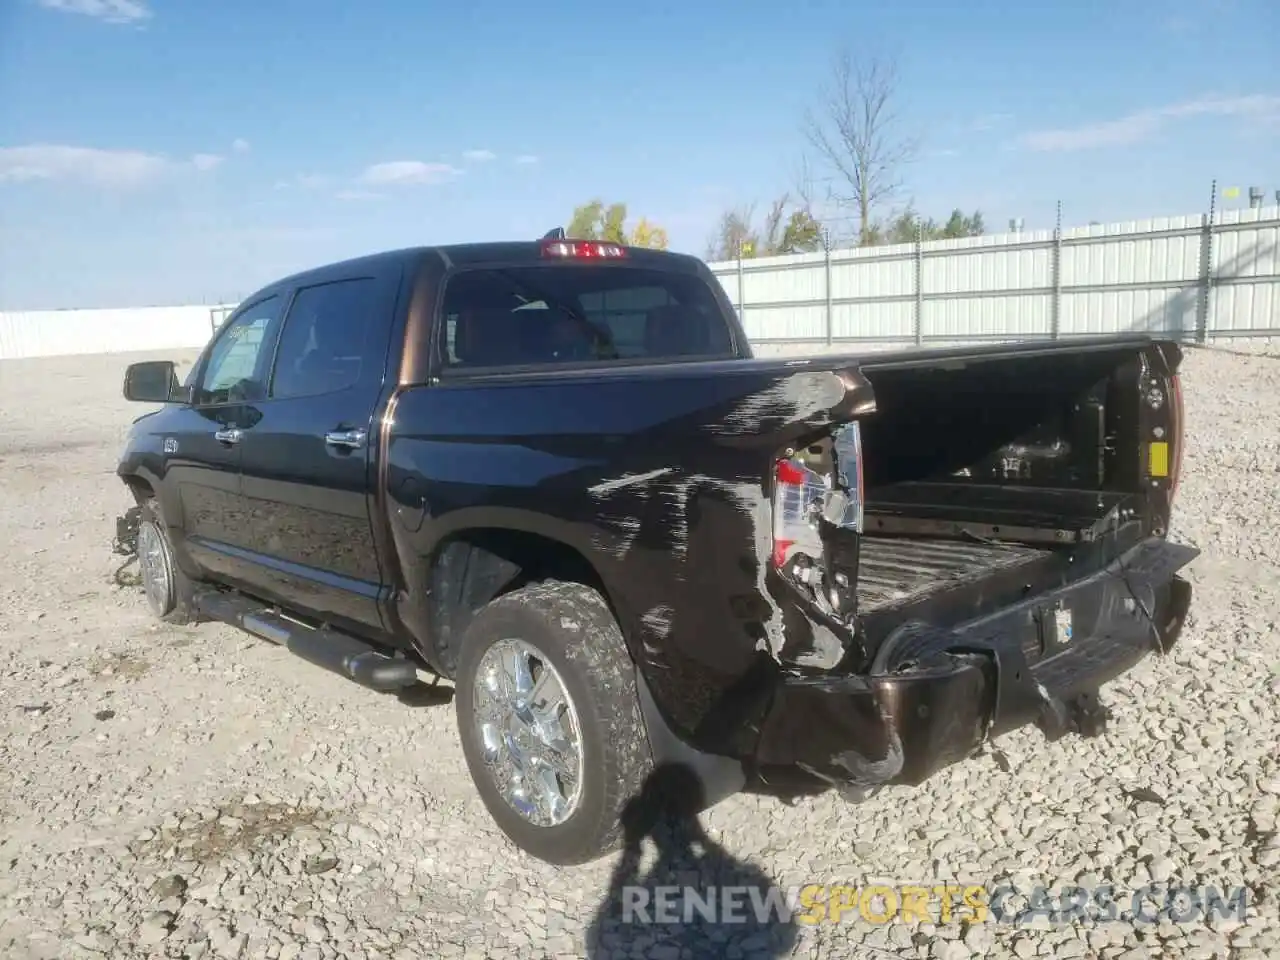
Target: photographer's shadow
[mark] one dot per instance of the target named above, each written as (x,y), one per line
(696,895)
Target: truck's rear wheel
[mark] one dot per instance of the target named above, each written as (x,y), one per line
(166,587)
(550,720)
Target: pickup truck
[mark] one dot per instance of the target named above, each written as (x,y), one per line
(553,473)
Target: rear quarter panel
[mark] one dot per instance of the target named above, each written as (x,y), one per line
(658,479)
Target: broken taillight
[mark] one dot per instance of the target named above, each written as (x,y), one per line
(803,497)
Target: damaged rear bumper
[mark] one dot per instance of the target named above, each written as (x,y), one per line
(1039,662)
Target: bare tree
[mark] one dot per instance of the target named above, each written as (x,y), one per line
(732,233)
(806,184)
(855,133)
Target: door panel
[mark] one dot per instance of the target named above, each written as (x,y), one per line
(203,459)
(206,475)
(309,508)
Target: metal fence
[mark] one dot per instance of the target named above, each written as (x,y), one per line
(218,316)
(1197,277)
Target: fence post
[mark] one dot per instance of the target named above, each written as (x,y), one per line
(826,247)
(919,317)
(1206,267)
(1055,308)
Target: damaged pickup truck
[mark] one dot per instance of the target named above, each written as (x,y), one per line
(554,473)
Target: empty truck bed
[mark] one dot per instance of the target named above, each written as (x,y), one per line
(897,570)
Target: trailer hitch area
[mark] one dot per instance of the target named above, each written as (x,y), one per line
(1083,714)
(126,539)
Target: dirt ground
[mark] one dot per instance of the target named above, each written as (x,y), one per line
(194,792)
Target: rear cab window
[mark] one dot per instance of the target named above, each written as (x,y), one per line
(592,314)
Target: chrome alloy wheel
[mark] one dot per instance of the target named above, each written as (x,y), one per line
(529,732)
(156,568)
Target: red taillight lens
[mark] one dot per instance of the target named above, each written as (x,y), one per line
(794,488)
(801,497)
(583,250)
(1178,431)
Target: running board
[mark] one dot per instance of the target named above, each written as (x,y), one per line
(336,652)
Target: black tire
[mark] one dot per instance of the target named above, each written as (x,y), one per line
(572,626)
(176,605)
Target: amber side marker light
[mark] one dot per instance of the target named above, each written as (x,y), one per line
(1158,459)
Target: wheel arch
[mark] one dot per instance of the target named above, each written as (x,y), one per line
(141,488)
(473,565)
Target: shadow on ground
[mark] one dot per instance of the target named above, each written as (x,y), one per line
(426,695)
(679,903)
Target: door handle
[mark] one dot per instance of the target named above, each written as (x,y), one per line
(346,439)
(232,435)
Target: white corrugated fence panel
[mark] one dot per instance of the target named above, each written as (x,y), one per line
(1246,271)
(783,284)
(957,318)
(803,322)
(49,333)
(1162,259)
(867,321)
(1103,312)
(864,278)
(1017,269)
(1246,308)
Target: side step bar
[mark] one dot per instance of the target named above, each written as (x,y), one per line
(337,652)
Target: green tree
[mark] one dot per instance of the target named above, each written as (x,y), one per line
(958,225)
(595,221)
(903,227)
(786,229)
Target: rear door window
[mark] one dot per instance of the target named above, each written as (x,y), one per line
(562,314)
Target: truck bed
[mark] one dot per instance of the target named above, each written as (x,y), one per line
(897,570)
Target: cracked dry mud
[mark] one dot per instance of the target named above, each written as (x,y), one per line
(193,792)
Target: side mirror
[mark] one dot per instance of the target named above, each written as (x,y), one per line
(152,381)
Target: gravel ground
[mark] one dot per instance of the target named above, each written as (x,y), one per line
(193,792)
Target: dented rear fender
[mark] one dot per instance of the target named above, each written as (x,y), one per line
(659,476)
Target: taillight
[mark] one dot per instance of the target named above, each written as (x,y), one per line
(795,486)
(583,250)
(802,497)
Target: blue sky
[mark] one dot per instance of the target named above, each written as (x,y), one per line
(157,151)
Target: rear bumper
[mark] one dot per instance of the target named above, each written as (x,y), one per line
(952,689)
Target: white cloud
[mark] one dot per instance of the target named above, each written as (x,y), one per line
(479,156)
(205,161)
(525,159)
(1143,124)
(102,168)
(408,172)
(239,145)
(109,11)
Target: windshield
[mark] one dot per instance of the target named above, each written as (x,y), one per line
(569,313)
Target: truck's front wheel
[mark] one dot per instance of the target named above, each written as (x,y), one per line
(550,720)
(167,589)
